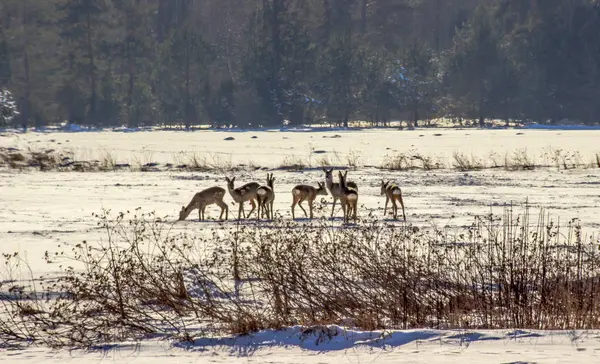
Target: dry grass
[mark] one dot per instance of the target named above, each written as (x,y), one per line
(353,159)
(411,160)
(518,160)
(293,163)
(501,272)
(463,162)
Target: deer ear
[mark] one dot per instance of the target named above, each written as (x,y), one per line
(324,170)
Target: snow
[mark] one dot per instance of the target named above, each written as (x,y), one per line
(272,147)
(344,346)
(43,209)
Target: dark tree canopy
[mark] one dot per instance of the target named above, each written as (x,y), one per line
(269,62)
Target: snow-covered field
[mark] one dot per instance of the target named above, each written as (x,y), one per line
(271,148)
(291,346)
(43,209)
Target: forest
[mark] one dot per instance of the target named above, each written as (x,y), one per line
(270,63)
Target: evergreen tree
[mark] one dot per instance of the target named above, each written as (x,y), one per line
(8,108)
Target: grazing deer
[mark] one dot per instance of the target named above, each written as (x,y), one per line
(394,193)
(209,196)
(348,198)
(265,196)
(241,194)
(308,193)
(334,188)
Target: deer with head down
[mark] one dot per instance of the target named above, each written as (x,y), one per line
(209,196)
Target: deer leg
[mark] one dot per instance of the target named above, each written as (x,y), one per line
(200,213)
(241,211)
(253,203)
(387,199)
(310,207)
(259,209)
(394,209)
(293,206)
(333,207)
(265,209)
(300,204)
(402,204)
(224,209)
(271,209)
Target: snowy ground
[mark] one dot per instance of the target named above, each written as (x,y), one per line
(43,209)
(290,346)
(271,148)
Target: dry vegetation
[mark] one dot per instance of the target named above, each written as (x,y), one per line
(518,160)
(501,272)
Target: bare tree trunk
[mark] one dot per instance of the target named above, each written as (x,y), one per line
(130,67)
(363,17)
(26,102)
(187,111)
(92,114)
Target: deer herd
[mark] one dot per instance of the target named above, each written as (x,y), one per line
(261,197)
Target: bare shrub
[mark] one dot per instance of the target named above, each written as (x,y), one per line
(108,162)
(520,160)
(213,162)
(13,158)
(323,161)
(353,158)
(144,162)
(501,272)
(428,163)
(564,159)
(45,160)
(293,163)
(397,162)
(462,162)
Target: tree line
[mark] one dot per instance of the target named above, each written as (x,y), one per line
(276,62)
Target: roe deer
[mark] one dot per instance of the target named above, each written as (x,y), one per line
(241,194)
(308,193)
(265,196)
(334,188)
(394,193)
(209,196)
(348,198)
